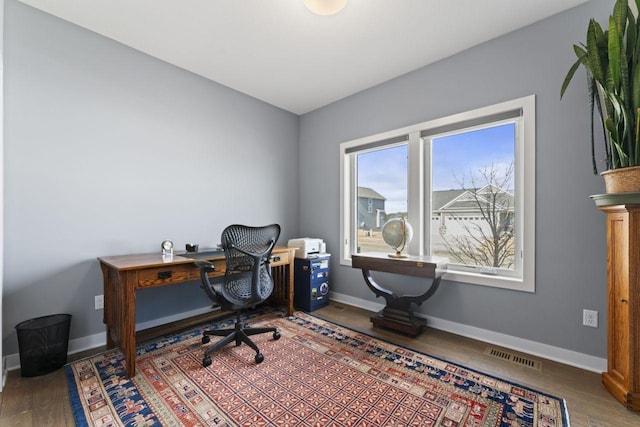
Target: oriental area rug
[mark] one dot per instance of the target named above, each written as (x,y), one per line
(317,374)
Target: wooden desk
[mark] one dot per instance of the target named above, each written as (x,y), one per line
(125,274)
(399,312)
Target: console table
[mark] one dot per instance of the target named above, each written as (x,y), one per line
(399,312)
(123,275)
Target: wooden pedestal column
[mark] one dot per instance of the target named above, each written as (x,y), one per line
(622,378)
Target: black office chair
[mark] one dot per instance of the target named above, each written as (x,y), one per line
(247,282)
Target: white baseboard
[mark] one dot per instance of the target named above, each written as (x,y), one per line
(96,340)
(557,354)
(75,346)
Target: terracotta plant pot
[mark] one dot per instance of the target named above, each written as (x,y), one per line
(622,180)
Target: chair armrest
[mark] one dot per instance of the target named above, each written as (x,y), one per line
(205,268)
(205,265)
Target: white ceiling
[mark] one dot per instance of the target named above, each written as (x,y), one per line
(279,52)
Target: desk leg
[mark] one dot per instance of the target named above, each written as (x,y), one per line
(291,285)
(120,314)
(127,321)
(109,284)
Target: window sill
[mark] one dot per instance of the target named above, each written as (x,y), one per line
(513,283)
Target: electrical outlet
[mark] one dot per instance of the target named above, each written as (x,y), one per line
(590,318)
(99,302)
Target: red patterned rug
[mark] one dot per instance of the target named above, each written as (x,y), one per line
(317,374)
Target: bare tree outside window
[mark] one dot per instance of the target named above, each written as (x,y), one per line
(484,217)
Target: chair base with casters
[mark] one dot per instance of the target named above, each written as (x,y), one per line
(247,282)
(240,333)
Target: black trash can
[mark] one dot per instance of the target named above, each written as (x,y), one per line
(43,344)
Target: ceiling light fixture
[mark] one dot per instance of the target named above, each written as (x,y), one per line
(325,7)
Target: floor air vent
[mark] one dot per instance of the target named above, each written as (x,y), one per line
(514,358)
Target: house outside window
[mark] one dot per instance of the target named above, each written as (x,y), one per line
(466,184)
(482,232)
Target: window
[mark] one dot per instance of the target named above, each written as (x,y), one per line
(372,165)
(472,173)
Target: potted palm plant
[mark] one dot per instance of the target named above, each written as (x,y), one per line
(611,59)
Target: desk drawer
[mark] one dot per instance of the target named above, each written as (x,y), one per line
(166,275)
(280,258)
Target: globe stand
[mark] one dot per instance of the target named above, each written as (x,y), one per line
(398,255)
(396,233)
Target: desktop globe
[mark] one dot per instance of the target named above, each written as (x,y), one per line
(397,233)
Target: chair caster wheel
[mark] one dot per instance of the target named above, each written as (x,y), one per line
(206,362)
(206,339)
(259,358)
(276,335)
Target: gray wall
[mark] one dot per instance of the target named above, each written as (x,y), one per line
(570,231)
(109,151)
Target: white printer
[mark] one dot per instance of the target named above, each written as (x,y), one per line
(307,247)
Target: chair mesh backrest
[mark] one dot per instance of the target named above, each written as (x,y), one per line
(248,272)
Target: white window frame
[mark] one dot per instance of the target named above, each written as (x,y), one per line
(419,179)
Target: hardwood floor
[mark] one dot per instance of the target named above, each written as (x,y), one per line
(589,404)
(44,400)
(38,401)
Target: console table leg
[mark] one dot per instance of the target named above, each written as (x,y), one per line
(400,311)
